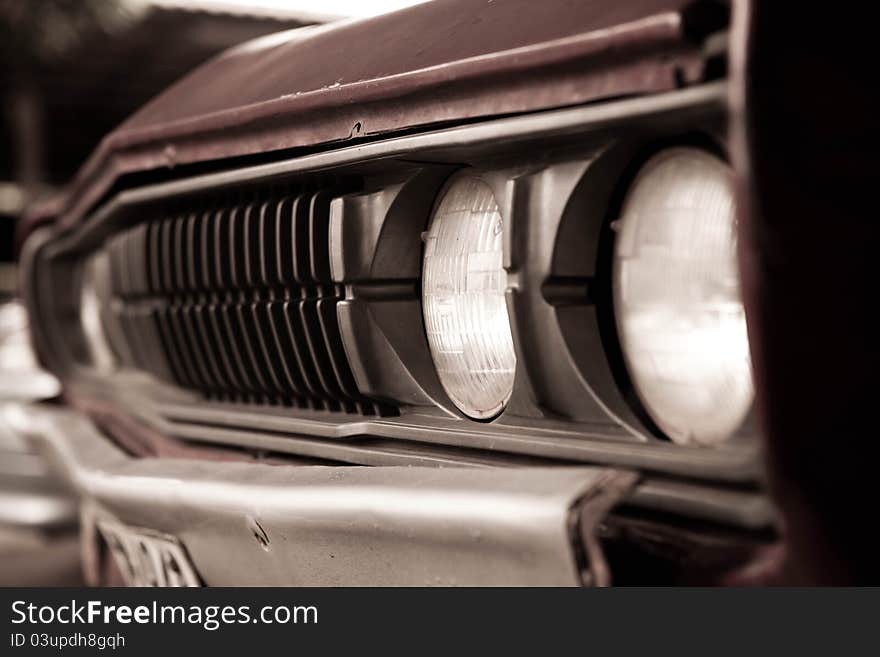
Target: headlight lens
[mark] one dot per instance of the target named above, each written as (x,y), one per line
(463,286)
(677,301)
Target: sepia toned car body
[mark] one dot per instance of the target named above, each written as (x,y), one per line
(207,448)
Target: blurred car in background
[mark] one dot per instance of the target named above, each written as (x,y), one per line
(38,513)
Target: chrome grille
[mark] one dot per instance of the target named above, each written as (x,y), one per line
(235,299)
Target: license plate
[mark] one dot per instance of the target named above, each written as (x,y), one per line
(148,558)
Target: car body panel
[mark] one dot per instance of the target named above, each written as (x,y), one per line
(459,61)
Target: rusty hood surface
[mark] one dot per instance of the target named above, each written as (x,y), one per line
(438,63)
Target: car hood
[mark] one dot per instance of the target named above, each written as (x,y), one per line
(438,63)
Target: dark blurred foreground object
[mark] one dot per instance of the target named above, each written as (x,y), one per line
(806,156)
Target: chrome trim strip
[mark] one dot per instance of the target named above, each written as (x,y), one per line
(583,119)
(336,438)
(743,508)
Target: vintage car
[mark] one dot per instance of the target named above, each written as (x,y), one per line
(452,296)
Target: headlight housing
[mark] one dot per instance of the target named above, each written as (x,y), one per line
(463,288)
(679,315)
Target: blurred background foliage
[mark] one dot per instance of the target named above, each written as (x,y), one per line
(35,33)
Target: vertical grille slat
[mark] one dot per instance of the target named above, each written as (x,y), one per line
(206,257)
(158,364)
(234,298)
(194,251)
(284,362)
(222,275)
(335,348)
(116,266)
(284,239)
(179,260)
(288,348)
(308,309)
(185,347)
(209,346)
(172,349)
(154,256)
(201,355)
(297,333)
(266,249)
(251,246)
(318,242)
(267,350)
(299,245)
(237,248)
(166,256)
(141,254)
(229,312)
(234,370)
(249,348)
(258,351)
(129,244)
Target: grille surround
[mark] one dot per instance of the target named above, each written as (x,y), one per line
(381,306)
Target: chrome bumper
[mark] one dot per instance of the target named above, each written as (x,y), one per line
(258,524)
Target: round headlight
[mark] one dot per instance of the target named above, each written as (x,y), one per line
(463,286)
(677,301)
